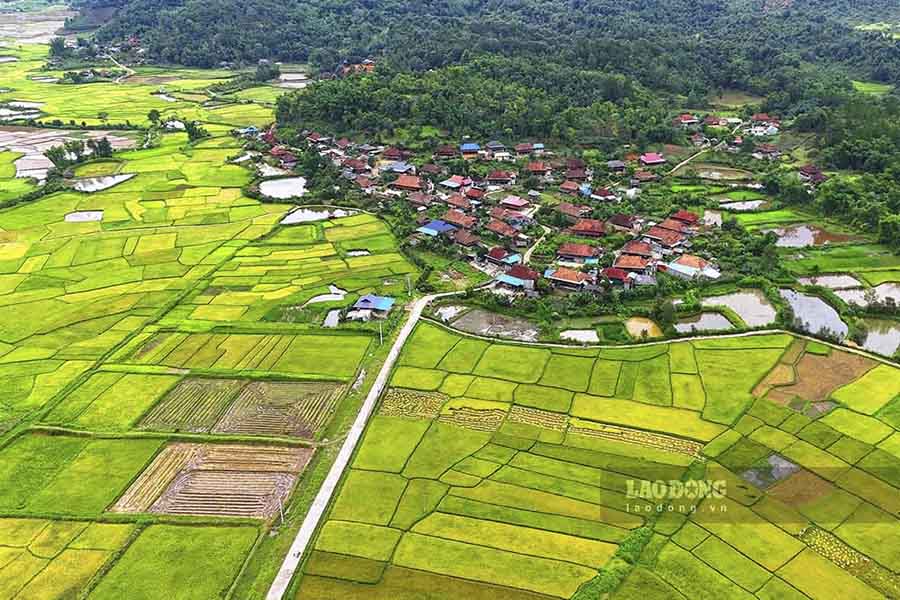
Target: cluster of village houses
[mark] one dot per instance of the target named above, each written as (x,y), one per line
(489,224)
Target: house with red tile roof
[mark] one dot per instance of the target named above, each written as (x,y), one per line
(632,263)
(622,222)
(687,120)
(474,193)
(539,168)
(458,201)
(673,225)
(576,175)
(501,177)
(577,253)
(524,149)
(570,187)
(588,228)
(408,183)
(459,218)
(566,278)
(421,199)
(446,151)
(502,229)
(686,216)
(637,248)
(616,276)
(664,237)
(466,238)
(572,211)
(645,176)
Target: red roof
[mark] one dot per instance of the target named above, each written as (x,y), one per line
(421,199)
(431,168)
(577,250)
(575,163)
(538,167)
(766,148)
(686,216)
(342,143)
(501,228)
(572,210)
(690,260)
(521,272)
(569,276)
(497,253)
(446,151)
(524,148)
(590,227)
(687,118)
(622,220)
(356,164)
(364,182)
(637,247)
(577,174)
(674,225)
(569,187)
(408,182)
(614,274)
(630,262)
(459,201)
(500,176)
(666,237)
(393,154)
(455,217)
(465,238)
(645,176)
(474,194)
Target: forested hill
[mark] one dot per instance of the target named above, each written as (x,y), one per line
(671,44)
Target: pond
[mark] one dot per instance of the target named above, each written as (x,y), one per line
(84,216)
(708,321)
(833,282)
(487,323)
(814,314)
(636,326)
(282,189)
(332,319)
(448,313)
(880,294)
(584,336)
(309,215)
(883,337)
(745,205)
(98,184)
(804,235)
(165,97)
(751,306)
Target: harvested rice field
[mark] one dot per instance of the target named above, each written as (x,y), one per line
(501,471)
(216,480)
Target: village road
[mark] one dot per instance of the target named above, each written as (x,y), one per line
(320,503)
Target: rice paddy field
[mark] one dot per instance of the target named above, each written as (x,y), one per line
(169,389)
(509,471)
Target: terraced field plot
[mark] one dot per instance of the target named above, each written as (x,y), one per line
(503,471)
(216,479)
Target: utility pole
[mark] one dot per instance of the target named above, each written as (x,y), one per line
(380,334)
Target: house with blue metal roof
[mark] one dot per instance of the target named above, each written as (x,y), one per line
(370,306)
(469,148)
(436,228)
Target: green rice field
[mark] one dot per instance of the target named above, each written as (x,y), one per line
(506,471)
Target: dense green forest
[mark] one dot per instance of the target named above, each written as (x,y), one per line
(678,45)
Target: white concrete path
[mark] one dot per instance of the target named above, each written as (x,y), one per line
(323,498)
